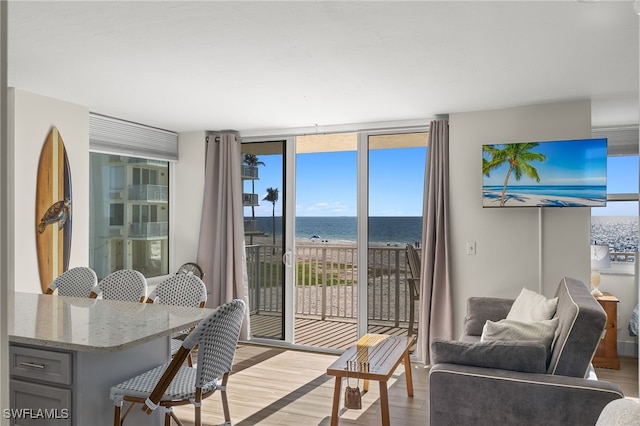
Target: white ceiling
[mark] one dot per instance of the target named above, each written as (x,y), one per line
(206,65)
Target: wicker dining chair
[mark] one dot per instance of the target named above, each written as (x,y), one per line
(76,282)
(180,290)
(124,284)
(174,384)
(413,259)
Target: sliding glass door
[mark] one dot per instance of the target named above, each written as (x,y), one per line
(326,233)
(395,186)
(264,195)
(326,256)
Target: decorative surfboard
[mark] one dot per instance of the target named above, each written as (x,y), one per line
(53,209)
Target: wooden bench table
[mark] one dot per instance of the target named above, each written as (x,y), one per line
(373,357)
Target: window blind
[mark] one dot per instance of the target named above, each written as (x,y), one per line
(113,136)
(621,140)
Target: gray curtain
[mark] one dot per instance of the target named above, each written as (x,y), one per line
(435,284)
(221,252)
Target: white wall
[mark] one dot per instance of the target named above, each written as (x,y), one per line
(186,195)
(507,241)
(623,286)
(31,117)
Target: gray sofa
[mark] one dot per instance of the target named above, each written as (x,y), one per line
(509,383)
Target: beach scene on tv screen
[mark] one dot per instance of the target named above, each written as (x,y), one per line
(545,174)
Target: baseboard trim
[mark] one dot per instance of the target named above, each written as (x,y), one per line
(628,348)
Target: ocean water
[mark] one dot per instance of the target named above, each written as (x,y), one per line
(388,230)
(619,232)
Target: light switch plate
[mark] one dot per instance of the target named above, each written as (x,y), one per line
(471,248)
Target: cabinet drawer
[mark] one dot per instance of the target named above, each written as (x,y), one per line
(41,365)
(39,405)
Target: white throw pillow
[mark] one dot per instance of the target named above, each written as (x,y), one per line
(535,331)
(531,306)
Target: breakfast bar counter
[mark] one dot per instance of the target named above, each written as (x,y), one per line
(67,352)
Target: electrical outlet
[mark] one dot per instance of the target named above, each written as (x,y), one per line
(471,248)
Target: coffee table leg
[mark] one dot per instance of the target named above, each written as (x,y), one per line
(336,401)
(407,373)
(384,403)
(365,386)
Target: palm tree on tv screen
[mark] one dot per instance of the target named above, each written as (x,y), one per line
(272,197)
(518,156)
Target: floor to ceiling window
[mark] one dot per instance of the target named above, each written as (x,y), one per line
(616,225)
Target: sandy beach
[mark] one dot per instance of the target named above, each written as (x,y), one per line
(492,199)
(268,240)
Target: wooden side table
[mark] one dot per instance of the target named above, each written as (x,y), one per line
(607,353)
(373,357)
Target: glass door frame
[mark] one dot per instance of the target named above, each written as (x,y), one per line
(289,242)
(289,210)
(363,217)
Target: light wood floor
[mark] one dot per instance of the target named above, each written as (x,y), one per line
(274,386)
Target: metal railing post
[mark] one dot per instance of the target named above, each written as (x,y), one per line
(324,283)
(258,277)
(397,276)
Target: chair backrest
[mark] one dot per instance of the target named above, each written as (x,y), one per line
(181,290)
(217,338)
(124,284)
(413,259)
(76,282)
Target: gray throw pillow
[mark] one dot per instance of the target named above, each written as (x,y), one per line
(527,357)
(481,309)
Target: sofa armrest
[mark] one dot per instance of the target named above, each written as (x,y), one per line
(481,309)
(461,394)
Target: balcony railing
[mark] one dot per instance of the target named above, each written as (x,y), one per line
(149,192)
(250,199)
(623,256)
(326,282)
(249,172)
(149,230)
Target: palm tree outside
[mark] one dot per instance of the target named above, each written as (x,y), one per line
(518,156)
(272,197)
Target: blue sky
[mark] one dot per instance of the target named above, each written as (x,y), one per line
(567,163)
(326,182)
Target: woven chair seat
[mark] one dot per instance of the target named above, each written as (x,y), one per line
(181,387)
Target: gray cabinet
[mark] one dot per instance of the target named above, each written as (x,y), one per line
(40,386)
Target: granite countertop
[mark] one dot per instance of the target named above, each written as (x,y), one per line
(93,325)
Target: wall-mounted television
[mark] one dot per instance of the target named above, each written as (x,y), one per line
(563,173)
